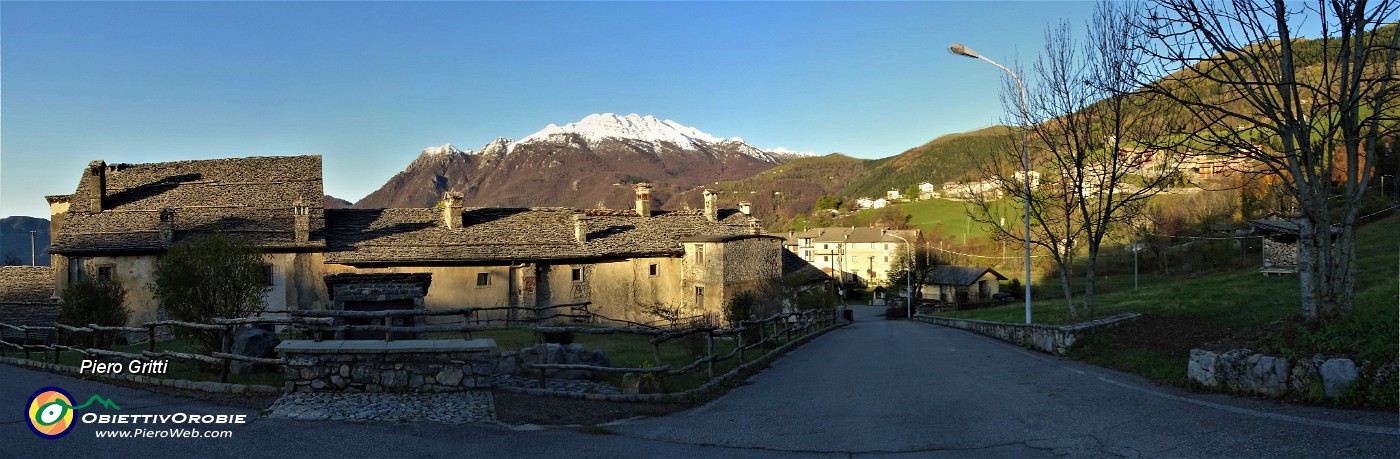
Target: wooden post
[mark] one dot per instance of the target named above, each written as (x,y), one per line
(388,335)
(25,344)
(656,353)
(56,337)
(151,336)
(543,384)
(228,348)
(739,338)
(466,320)
(710,353)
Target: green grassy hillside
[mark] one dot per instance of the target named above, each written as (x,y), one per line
(947,158)
(1236,309)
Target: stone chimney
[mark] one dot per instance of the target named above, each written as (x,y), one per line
(746,208)
(97,184)
(580,228)
(452,209)
(754,227)
(167,225)
(301,222)
(58,208)
(711,206)
(643,199)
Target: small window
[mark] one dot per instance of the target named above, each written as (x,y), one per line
(699,254)
(268,276)
(104,272)
(825,247)
(887,246)
(483,279)
(577,274)
(887,258)
(826,258)
(653,270)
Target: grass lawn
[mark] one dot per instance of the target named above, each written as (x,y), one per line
(629,350)
(1234,309)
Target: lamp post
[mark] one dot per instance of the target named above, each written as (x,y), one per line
(908,276)
(32,260)
(959,49)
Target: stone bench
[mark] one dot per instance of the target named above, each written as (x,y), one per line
(392,366)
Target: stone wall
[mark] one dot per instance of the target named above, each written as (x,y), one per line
(393,366)
(1054,339)
(1245,372)
(752,259)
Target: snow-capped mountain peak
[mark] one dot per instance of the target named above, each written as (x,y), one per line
(644,128)
(608,125)
(446,149)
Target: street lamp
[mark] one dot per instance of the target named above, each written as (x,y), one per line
(908,276)
(959,49)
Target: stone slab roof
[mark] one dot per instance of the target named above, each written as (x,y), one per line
(247,199)
(491,235)
(27,298)
(26,285)
(795,265)
(959,275)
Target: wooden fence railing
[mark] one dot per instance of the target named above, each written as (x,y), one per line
(778,328)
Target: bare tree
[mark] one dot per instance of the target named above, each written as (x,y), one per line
(1308,110)
(1090,132)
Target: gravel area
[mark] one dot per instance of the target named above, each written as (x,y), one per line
(446,407)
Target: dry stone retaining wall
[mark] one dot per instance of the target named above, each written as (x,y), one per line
(1054,339)
(1247,372)
(394,366)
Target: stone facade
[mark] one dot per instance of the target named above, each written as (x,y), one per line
(1054,339)
(716,268)
(396,366)
(1247,372)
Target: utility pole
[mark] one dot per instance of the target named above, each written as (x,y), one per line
(32,258)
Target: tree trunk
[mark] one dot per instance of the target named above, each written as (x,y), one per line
(1089,266)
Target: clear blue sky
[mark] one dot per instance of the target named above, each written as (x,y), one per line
(369,85)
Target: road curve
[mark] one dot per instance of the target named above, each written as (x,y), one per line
(905,387)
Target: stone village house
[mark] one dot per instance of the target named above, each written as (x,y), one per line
(122,217)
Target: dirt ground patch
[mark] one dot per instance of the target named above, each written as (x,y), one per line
(1174,335)
(513,408)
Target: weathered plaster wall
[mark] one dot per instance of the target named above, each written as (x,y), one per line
(622,290)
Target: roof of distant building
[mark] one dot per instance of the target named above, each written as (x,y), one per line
(794,265)
(27,298)
(959,275)
(26,284)
(853,234)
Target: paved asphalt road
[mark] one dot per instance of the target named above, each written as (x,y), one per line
(875,388)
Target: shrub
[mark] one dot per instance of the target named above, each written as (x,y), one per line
(209,277)
(741,307)
(94,301)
